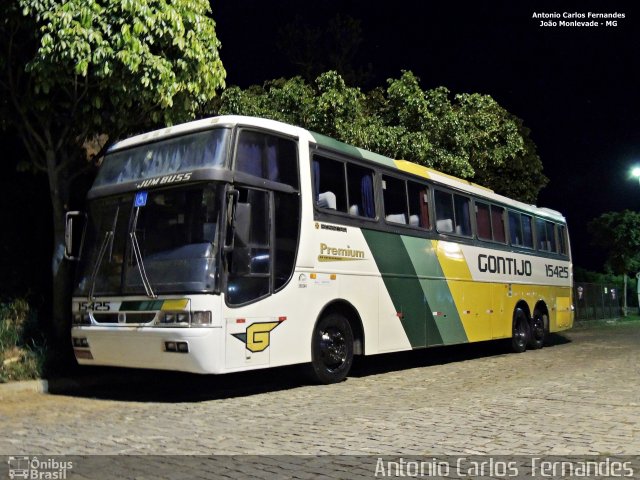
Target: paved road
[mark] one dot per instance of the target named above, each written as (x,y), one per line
(580,395)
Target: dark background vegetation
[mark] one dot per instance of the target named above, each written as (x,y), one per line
(575,88)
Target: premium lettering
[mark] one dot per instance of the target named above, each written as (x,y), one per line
(331,254)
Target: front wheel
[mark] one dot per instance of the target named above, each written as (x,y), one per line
(331,349)
(520,331)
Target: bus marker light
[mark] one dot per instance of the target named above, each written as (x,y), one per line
(240,320)
(282,319)
(400,315)
(333,276)
(313,276)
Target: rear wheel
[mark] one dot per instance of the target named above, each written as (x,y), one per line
(536,339)
(520,331)
(331,349)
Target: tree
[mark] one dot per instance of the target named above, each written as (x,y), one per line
(467,135)
(77,69)
(619,234)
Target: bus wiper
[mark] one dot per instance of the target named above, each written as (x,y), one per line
(108,240)
(138,256)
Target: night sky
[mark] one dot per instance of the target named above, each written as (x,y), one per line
(576,88)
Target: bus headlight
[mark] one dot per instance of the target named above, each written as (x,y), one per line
(198,318)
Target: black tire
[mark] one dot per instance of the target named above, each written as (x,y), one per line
(537,331)
(331,349)
(520,331)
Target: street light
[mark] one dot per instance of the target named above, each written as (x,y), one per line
(635,172)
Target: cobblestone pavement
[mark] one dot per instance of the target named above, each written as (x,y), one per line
(578,396)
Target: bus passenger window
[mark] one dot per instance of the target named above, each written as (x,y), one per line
(562,239)
(541,235)
(551,237)
(462,215)
(483,221)
(497,224)
(418,205)
(395,200)
(515,231)
(527,231)
(444,212)
(329,184)
(360,189)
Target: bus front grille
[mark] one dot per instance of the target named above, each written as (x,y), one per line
(124,317)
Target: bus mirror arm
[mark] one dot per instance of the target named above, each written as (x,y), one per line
(232,201)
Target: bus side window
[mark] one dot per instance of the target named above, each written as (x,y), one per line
(267,156)
(527,230)
(515,230)
(444,212)
(329,184)
(562,239)
(418,205)
(483,221)
(462,215)
(497,224)
(551,237)
(394,195)
(541,235)
(360,184)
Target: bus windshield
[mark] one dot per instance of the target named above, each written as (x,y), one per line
(177,154)
(160,241)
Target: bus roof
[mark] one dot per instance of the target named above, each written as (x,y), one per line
(338,146)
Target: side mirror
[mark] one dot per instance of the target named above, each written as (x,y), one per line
(75,225)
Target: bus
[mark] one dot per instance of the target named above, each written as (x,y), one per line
(235,243)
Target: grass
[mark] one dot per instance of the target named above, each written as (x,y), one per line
(23,348)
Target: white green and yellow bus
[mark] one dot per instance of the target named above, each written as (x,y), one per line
(236,243)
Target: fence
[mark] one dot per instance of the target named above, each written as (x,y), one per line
(595,301)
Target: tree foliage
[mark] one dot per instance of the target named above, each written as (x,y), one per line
(467,135)
(71,70)
(619,234)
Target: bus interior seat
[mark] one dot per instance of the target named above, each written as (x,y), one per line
(354,210)
(414,220)
(445,225)
(327,200)
(396,218)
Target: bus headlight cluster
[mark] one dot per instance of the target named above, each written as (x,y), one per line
(81,319)
(198,318)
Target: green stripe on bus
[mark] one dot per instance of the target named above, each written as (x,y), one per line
(405,289)
(435,289)
(352,151)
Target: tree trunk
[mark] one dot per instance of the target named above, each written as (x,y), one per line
(61,268)
(624,302)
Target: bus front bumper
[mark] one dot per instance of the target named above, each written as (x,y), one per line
(196,350)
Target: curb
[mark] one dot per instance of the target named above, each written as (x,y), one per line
(38,386)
